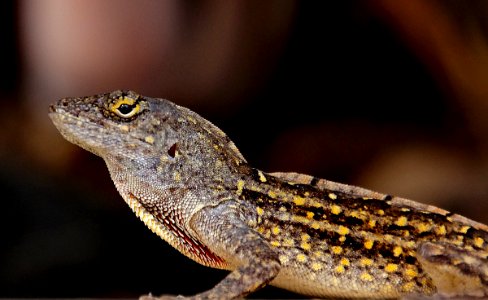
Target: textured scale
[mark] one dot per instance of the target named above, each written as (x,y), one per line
(190,185)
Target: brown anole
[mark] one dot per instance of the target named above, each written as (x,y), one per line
(187,181)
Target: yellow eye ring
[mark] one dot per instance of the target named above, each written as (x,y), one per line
(125,107)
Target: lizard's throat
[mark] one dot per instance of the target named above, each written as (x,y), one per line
(169,230)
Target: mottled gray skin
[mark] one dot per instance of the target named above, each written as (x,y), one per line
(147,171)
(189,184)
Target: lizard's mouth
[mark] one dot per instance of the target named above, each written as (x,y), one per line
(82,126)
(75,129)
(86,127)
(63,118)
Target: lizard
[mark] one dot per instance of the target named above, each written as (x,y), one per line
(188,182)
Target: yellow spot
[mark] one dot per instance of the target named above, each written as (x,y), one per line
(441,230)
(397,251)
(275,230)
(149,139)
(423,227)
(305,246)
(177,176)
(310,215)
(423,281)
(124,128)
(316,266)
(411,272)
(306,194)
(402,221)
(355,214)
(298,200)
(343,230)
(282,209)
(216,147)
(315,225)
(261,229)
(275,243)
(366,262)
(283,259)
(405,209)
(191,119)
(380,212)
(390,268)
(372,223)
(288,242)
(332,196)
(218,164)
(260,211)
(272,194)
(406,233)
(335,209)
(240,186)
(301,257)
(345,262)
(300,219)
(464,229)
(336,249)
(340,269)
(410,244)
(459,241)
(316,203)
(342,238)
(262,178)
(305,237)
(478,242)
(368,244)
(409,286)
(366,277)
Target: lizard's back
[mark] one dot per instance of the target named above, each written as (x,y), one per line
(340,240)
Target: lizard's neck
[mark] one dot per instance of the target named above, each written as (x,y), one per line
(165,212)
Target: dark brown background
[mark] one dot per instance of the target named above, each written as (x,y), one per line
(390,95)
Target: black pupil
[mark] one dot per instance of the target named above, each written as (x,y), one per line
(125,108)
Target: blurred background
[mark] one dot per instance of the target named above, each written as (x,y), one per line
(389,95)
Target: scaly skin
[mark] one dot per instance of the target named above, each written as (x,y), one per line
(187,181)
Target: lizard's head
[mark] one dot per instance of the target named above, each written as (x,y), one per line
(106,124)
(125,127)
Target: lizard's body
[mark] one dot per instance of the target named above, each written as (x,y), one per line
(190,185)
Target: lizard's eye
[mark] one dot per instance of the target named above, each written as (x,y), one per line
(125,107)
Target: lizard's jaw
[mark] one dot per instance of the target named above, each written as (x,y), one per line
(102,138)
(69,127)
